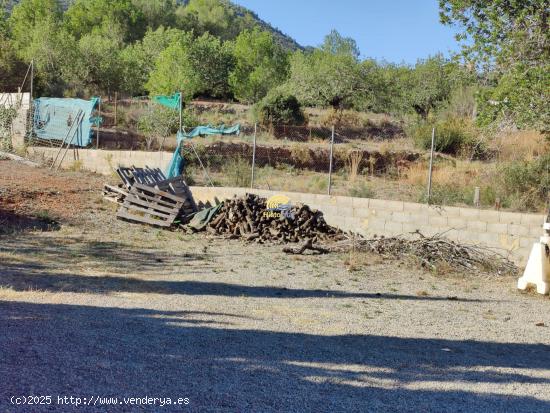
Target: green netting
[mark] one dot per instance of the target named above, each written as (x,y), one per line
(176,163)
(54,119)
(172,102)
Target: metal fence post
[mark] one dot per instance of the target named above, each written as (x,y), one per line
(31,103)
(431,167)
(330,161)
(253,155)
(116,109)
(98,122)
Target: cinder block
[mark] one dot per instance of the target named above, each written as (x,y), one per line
(457,223)
(514,229)
(344,211)
(360,202)
(420,219)
(413,207)
(336,221)
(527,242)
(469,213)
(451,211)
(361,212)
(376,226)
(386,205)
(489,216)
(329,210)
(401,217)
(532,219)
(381,213)
(489,238)
(411,227)
(344,201)
(509,242)
(439,221)
(391,227)
(353,224)
(510,217)
(468,236)
(497,228)
(535,231)
(477,225)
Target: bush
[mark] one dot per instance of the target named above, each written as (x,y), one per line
(452,136)
(341,119)
(238,173)
(361,190)
(280,109)
(526,184)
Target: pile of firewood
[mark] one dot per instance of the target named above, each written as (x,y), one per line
(249,218)
(431,252)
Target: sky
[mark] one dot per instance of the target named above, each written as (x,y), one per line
(398,31)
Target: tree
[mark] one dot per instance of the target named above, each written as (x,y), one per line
(38,34)
(320,78)
(336,44)
(157,13)
(510,38)
(12,69)
(27,17)
(279,108)
(99,67)
(501,32)
(85,16)
(137,60)
(260,65)
(216,17)
(427,85)
(193,66)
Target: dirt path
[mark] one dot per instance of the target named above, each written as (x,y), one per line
(112,309)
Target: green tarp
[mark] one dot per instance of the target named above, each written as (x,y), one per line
(201,219)
(172,102)
(176,163)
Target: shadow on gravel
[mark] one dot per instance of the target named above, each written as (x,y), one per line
(26,279)
(80,350)
(47,255)
(11,223)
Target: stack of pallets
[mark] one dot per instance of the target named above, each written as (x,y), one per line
(146,196)
(150,206)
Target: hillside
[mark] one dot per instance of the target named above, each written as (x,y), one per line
(241,12)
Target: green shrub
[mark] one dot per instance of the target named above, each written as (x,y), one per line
(447,195)
(238,173)
(452,136)
(526,184)
(361,190)
(280,109)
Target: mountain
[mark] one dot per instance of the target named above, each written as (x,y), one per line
(239,11)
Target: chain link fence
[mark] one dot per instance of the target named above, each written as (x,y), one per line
(365,156)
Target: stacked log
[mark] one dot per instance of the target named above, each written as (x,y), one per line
(248,217)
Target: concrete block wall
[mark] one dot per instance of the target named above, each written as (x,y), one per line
(103,161)
(509,233)
(19,125)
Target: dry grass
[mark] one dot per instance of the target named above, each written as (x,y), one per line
(353,163)
(460,173)
(519,146)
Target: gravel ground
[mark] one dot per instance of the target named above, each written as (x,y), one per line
(110,309)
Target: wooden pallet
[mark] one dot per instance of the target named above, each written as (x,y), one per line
(114,194)
(150,206)
(146,176)
(178,187)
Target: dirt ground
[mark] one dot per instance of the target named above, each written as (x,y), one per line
(103,308)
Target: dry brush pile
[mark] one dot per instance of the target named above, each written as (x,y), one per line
(250,218)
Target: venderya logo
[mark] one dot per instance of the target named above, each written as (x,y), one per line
(279,206)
